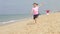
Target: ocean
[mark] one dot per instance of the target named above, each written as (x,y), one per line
(12,18)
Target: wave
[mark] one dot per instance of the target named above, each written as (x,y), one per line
(11,21)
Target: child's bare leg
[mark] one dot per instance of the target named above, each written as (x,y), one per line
(35,20)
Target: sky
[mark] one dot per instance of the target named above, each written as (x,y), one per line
(25,6)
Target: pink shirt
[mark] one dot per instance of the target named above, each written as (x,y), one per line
(35,10)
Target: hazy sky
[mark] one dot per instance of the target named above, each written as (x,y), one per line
(24,6)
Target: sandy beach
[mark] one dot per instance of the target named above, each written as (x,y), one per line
(47,24)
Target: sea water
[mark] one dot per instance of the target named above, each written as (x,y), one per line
(8,18)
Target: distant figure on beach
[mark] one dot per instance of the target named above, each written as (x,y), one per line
(35,12)
(47,12)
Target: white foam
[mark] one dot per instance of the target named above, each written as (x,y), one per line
(8,22)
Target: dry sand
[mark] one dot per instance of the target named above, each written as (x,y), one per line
(46,25)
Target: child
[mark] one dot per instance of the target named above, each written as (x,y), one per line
(35,12)
(47,12)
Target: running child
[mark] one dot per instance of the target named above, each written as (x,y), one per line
(35,10)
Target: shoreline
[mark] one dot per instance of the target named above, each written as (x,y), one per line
(13,21)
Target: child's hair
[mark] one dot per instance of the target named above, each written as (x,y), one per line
(35,3)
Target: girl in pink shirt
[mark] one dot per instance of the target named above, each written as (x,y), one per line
(35,11)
